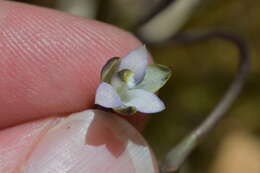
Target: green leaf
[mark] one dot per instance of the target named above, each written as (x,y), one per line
(109,69)
(126,110)
(156,76)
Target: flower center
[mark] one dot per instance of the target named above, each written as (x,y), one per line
(127,76)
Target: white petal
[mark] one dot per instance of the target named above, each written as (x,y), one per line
(144,101)
(136,61)
(107,96)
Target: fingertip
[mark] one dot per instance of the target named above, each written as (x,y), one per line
(50,61)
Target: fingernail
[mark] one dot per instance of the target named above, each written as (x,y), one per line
(91,142)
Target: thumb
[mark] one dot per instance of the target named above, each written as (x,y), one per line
(87,142)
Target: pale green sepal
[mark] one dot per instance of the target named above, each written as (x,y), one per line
(156,76)
(109,69)
(125,110)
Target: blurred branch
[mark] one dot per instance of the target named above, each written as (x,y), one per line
(166,20)
(176,157)
(84,8)
(162,6)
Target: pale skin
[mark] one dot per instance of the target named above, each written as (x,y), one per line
(50,65)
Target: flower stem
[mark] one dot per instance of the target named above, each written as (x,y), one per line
(176,157)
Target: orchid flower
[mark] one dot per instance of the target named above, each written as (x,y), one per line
(128,84)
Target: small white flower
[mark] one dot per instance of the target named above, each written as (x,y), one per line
(128,84)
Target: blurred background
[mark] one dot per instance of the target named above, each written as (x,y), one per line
(201,74)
